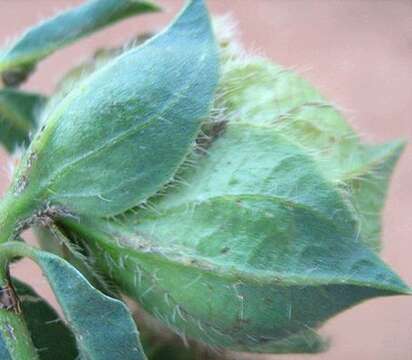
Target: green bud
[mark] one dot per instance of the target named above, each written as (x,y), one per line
(268,229)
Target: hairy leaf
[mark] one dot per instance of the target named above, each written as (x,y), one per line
(261,241)
(103,327)
(368,182)
(259,92)
(121,134)
(18,112)
(67,27)
(50,335)
(257,248)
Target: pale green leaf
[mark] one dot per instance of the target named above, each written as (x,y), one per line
(259,92)
(121,134)
(67,27)
(369,182)
(256,249)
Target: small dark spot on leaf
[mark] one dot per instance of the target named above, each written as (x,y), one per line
(225,250)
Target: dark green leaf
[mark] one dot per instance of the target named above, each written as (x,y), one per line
(103,327)
(121,134)
(50,335)
(18,113)
(65,28)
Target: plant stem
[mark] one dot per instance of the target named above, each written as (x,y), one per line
(14,211)
(16,336)
(15,339)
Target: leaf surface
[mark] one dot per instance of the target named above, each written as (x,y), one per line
(256,249)
(103,327)
(67,27)
(259,92)
(121,134)
(369,182)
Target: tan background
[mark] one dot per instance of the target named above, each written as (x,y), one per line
(359,53)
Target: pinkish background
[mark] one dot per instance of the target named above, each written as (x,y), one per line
(359,54)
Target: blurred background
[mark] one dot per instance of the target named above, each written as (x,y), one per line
(359,54)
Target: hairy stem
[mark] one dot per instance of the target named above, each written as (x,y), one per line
(15,339)
(15,210)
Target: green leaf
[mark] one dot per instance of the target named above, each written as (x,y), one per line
(50,335)
(18,113)
(368,182)
(258,243)
(67,27)
(259,92)
(103,326)
(241,281)
(256,249)
(99,58)
(128,126)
